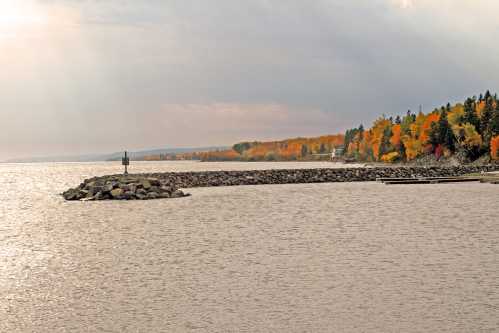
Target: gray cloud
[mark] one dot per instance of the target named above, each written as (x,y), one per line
(103,75)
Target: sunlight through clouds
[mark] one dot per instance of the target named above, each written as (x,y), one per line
(74,64)
(404,3)
(17,17)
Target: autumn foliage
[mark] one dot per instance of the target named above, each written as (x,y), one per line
(494,148)
(286,150)
(471,128)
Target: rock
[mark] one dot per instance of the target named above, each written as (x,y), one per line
(155,189)
(92,190)
(106,196)
(124,187)
(107,188)
(128,180)
(167,189)
(129,195)
(145,184)
(71,195)
(141,191)
(177,194)
(140,196)
(132,188)
(154,181)
(117,193)
(152,195)
(85,194)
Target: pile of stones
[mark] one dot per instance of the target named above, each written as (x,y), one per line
(165,185)
(123,188)
(302,176)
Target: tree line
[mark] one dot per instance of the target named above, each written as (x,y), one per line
(286,150)
(470,129)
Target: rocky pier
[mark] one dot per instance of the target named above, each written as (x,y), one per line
(118,187)
(166,185)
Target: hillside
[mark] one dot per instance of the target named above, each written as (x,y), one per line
(467,132)
(116,156)
(285,150)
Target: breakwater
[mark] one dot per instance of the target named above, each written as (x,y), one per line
(166,185)
(298,176)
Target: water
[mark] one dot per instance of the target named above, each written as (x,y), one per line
(350,257)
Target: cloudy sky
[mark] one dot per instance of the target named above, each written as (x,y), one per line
(85,76)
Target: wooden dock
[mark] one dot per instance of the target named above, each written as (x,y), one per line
(493,180)
(429,180)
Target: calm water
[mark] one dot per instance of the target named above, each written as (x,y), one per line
(358,257)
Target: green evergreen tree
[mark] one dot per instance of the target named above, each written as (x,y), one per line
(361,132)
(242,147)
(434,135)
(350,136)
(304,150)
(487,95)
(385,146)
(402,151)
(322,148)
(445,135)
(486,122)
(494,122)
(470,115)
(405,126)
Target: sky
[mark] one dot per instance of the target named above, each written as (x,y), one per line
(95,76)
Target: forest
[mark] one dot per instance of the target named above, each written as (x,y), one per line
(467,131)
(285,150)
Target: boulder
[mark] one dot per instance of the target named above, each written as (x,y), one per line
(85,194)
(152,195)
(145,184)
(155,189)
(117,193)
(154,181)
(132,187)
(129,195)
(166,189)
(71,194)
(107,188)
(128,180)
(93,189)
(124,187)
(177,194)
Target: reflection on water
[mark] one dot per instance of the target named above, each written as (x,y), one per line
(358,257)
